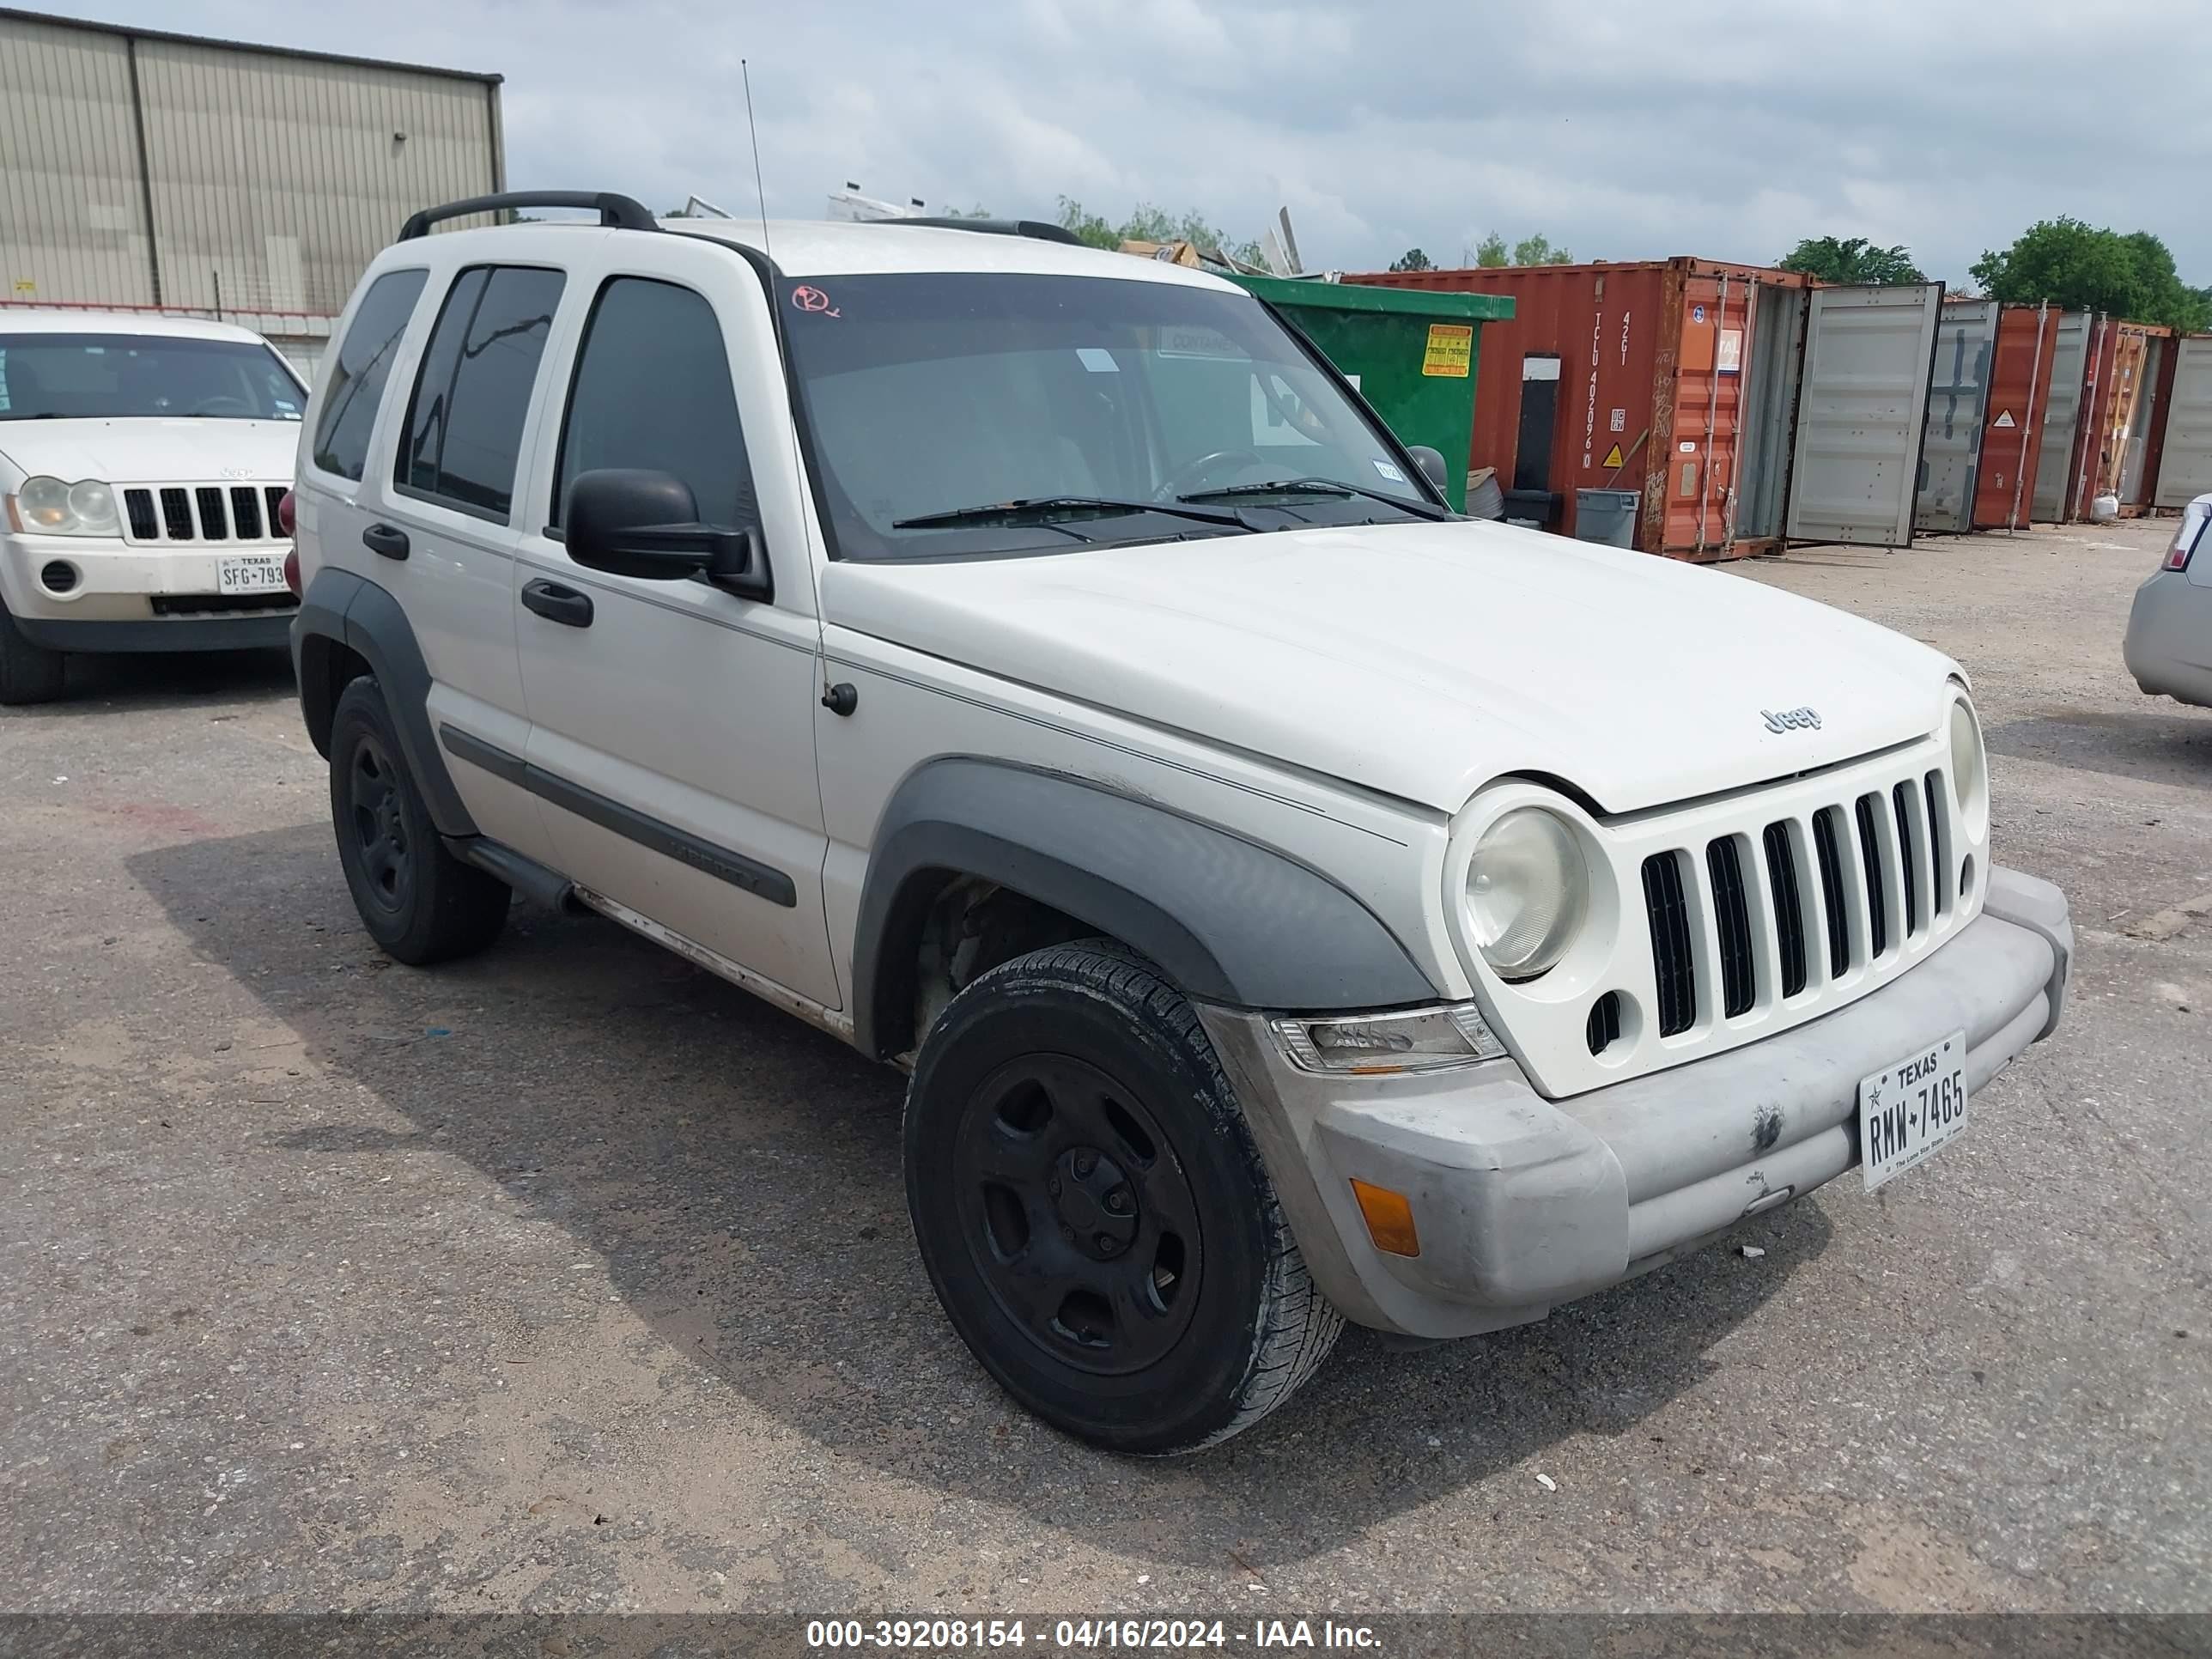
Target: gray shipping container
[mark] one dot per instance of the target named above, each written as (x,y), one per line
(1862,413)
(1957,398)
(2054,464)
(2185,469)
(145,169)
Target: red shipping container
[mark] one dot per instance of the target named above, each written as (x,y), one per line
(2012,427)
(1675,379)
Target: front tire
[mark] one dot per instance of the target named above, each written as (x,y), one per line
(28,673)
(1093,1213)
(418,900)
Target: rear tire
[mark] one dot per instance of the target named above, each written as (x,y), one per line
(1093,1213)
(28,673)
(418,900)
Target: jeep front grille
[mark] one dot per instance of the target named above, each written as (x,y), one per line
(1673,958)
(1723,941)
(1788,910)
(160,514)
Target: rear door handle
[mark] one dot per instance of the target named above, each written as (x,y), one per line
(557,604)
(389,539)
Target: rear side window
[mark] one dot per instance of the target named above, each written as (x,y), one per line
(356,383)
(652,389)
(472,394)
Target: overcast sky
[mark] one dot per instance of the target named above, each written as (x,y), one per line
(1728,129)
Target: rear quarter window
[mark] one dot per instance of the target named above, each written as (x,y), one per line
(464,437)
(348,416)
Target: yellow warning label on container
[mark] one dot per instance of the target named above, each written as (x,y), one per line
(26,285)
(1611,457)
(1451,351)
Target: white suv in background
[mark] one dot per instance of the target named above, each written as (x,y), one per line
(1038,667)
(143,461)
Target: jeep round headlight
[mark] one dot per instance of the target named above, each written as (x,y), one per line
(44,502)
(51,508)
(93,504)
(1969,769)
(1527,891)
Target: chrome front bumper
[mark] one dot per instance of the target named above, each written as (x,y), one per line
(1522,1202)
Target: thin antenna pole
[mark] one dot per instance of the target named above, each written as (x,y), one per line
(783,352)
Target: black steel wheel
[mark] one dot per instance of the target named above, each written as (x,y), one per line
(1088,1236)
(379,826)
(418,900)
(1093,1212)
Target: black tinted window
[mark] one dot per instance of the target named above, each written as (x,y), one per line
(652,389)
(464,423)
(356,384)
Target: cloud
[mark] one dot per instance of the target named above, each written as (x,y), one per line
(1619,129)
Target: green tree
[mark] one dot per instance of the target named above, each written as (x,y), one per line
(1413,259)
(1490,252)
(1537,250)
(1853,260)
(2080,267)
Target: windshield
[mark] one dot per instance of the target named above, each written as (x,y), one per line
(1091,409)
(46,377)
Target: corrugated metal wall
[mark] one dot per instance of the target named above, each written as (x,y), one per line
(271,179)
(72,216)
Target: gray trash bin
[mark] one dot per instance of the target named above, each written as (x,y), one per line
(1606,515)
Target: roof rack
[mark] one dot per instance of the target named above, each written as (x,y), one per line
(1036,229)
(616,212)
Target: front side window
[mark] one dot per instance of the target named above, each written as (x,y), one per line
(652,390)
(472,393)
(111,377)
(1087,409)
(356,388)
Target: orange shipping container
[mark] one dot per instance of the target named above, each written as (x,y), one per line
(1675,379)
(2012,429)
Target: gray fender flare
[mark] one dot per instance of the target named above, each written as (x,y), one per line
(1231,921)
(350,611)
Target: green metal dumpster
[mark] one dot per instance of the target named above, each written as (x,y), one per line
(1411,352)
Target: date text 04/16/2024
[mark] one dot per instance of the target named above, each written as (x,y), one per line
(1085,1635)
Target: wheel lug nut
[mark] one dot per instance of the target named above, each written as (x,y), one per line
(1117,1201)
(1053,1186)
(1109,1245)
(1085,1163)
(1067,1233)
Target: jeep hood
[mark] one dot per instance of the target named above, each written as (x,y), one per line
(1423,660)
(153,449)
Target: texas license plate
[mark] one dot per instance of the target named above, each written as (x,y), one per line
(250,572)
(1909,1110)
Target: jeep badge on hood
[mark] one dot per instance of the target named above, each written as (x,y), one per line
(1792,720)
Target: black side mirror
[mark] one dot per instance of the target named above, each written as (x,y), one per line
(631,521)
(1431,462)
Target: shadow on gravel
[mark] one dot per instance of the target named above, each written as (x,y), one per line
(675,1126)
(137,681)
(2161,743)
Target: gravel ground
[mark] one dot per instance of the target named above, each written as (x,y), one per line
(572,1278)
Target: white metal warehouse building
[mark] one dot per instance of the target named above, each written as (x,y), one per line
(145,169)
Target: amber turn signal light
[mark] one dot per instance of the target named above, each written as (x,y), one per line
(1390,1218)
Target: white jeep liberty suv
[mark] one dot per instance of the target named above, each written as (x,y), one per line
(1039,668)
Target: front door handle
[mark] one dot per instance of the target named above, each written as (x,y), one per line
(557,604)
(389,539)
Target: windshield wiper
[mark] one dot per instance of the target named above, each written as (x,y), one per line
(1043,509)
(1316,487)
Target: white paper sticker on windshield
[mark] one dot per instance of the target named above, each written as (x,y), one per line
(1389,472)
(1097,360)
